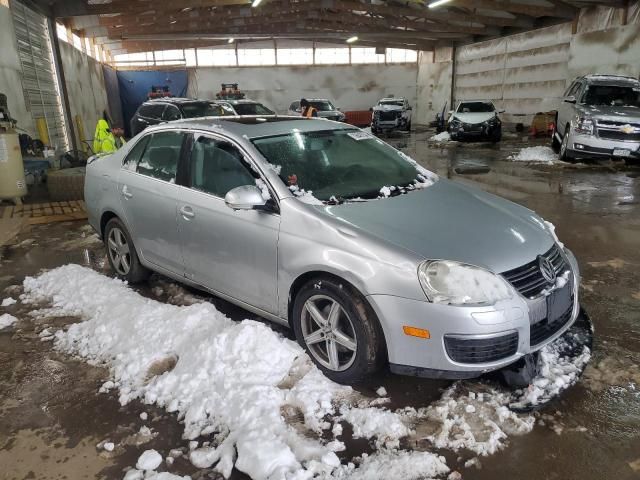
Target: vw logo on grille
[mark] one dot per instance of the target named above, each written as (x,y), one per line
(546,269)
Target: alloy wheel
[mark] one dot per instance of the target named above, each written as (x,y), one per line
(328,333)
(119,251)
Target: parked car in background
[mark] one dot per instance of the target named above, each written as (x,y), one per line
(434,277)
(475,120)
(244,107)
(599,117)
(391,114)
(161,110)
(325,109)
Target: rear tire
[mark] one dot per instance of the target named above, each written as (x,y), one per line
(121,253)
(347,340)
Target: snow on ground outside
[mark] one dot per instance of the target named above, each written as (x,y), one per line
(8,302)
(441,137)
(7,320)
(234,381)
(538,154)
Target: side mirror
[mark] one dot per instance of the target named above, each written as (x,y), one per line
(501,111)
(371,109)
(245,197)
(570,99)
(450,112)
(409,107)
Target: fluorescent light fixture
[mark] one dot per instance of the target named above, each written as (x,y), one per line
(256,3)
(352,39)
(437,3)
(231,40)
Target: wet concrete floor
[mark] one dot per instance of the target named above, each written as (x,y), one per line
(52,416)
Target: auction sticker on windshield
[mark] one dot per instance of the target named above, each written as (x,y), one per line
(359,135)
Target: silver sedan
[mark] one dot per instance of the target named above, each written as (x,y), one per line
(370,258)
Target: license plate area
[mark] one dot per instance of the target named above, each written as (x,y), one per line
(621,152)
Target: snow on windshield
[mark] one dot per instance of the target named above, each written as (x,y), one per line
(256,398)
(336,166)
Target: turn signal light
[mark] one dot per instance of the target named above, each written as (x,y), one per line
(416,332)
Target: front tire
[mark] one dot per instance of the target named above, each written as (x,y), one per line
(338,330)
(564,154)
(122,254)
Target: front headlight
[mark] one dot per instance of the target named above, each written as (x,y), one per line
(584,126)
(455,283)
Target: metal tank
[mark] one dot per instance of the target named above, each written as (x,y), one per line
(12,182)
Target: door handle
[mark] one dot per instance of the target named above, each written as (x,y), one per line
(126,193)
(187,213)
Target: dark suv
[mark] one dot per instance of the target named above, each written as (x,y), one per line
(161,110)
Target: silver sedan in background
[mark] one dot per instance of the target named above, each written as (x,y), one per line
(370,258)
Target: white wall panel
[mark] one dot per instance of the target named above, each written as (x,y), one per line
(356,87)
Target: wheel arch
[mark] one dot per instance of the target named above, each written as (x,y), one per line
(306,277)
(104,219)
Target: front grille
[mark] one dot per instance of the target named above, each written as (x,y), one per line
(619,135)
(528,279)
(481,350)
(388,116)
(540,331)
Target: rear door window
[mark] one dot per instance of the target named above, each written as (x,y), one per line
(160,158)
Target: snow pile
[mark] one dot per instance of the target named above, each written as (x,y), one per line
(558,371)
(441,137)
(221,377)
(386,426)
(552,229)
(7,320)
(396,465)
(7,302)
(535,154)
(149,460)
(475,421)
(304,195)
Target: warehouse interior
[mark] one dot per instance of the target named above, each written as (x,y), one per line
(66,65)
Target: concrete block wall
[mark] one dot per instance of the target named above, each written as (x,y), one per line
(11,73)
(356,87)
(528,73)
(86,89)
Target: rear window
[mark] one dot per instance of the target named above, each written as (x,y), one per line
(202,109)
(252,109)
(151,110)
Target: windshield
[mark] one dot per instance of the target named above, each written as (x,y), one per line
(201,109)
(338,165)
(476,107)
(252,109)
(612,95)
(398,103)
(322,105)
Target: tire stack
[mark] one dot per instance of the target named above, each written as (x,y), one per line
(66,184)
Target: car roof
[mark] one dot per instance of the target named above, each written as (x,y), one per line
(251,126)
(178,100)
(236,102)
(611,79)
(475,101)
(391,99)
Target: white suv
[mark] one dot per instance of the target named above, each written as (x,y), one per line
(599,117)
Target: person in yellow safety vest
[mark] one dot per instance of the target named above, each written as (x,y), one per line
(103,140)
(308,110)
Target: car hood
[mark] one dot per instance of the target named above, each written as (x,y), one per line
(330,113)
(606,112)
(452,221)
(474,117)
